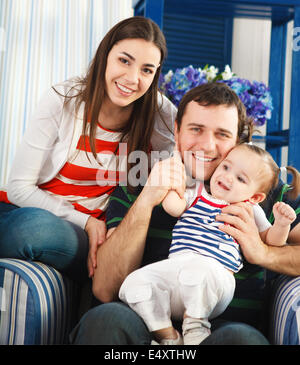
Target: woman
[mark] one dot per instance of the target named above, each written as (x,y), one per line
(53,210)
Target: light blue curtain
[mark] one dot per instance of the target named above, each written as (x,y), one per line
(43,42)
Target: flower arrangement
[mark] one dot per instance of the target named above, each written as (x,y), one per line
(255,95)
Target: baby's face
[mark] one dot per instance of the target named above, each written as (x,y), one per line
(238,176)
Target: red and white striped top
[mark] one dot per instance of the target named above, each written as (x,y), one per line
(87,182)
(54,131)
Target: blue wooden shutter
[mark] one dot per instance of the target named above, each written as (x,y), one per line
(192,38)
(197,41)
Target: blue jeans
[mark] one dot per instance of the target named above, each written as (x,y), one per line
(35,234)
(116,324)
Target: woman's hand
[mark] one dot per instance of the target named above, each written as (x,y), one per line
(240,224)
(96,230)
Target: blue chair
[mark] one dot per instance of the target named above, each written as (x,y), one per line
(285,311)
(37,304)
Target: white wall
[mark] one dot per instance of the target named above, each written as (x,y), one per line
(251,49)
(251,55)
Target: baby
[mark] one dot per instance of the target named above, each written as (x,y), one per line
(196,283)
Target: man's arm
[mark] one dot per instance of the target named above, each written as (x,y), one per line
(242,227)
(122,252)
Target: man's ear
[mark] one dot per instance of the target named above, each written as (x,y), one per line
(257,198)
(176,131)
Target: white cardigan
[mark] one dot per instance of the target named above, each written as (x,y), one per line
(51,134)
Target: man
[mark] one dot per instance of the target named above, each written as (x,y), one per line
(210,121)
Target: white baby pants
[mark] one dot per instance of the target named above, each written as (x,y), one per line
(186,282)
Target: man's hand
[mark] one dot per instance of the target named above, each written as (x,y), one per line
(240,224)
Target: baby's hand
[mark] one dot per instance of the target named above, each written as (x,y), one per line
(283,214)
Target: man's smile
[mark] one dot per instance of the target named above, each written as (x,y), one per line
(203,158)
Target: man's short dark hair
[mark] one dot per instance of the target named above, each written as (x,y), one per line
(218,93)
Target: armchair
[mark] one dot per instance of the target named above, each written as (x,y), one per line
(38,305)
(285,313)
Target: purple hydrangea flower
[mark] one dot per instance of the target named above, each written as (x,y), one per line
(255,95)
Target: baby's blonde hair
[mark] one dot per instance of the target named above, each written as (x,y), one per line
(271,177)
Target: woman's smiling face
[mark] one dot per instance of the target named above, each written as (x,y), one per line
(130,70)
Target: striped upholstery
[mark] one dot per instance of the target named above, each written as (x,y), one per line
(37,303)
(285,315)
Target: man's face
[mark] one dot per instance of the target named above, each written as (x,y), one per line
(206,135)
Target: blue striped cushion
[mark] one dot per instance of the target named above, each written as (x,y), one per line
(285,321)
(37,303)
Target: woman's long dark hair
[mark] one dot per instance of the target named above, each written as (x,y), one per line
(137,132)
